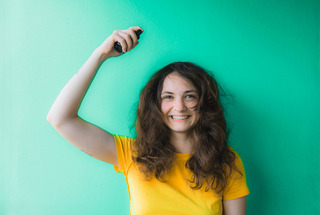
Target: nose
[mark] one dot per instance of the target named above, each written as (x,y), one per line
(179,105)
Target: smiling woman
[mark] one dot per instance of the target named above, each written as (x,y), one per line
(179,115)
(179,99)
(180,162)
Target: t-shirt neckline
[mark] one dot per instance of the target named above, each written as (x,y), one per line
(183,156)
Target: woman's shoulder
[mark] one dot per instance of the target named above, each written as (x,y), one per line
(232,150)
(238,160)
(123,138)
(124,141)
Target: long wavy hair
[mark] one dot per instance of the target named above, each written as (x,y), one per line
(211,161)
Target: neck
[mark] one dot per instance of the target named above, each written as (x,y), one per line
(181,142)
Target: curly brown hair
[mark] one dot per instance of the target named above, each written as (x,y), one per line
(212,161)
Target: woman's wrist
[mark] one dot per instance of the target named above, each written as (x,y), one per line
(100,55)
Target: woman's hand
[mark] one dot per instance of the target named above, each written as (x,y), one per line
(127,38)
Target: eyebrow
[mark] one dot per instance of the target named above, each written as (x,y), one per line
(188,91)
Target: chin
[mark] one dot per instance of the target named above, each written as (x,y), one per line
(181,130)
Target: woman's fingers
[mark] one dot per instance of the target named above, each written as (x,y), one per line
(121,40)
(133,37)
(130,39)
(135,28)
(127,38)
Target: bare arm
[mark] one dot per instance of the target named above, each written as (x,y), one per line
(63,115)
(235,206)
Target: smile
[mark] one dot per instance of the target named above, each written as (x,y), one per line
(180,117)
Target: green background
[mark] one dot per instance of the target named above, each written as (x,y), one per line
(265,54)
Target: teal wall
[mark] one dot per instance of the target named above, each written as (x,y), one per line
(265,54)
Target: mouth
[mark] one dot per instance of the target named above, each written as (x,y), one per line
(179,117)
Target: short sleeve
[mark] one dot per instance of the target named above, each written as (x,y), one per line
(237,185)
(123,145)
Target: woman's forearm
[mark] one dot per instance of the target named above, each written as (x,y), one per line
(67,103)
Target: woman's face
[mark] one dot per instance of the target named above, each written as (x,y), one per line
(179,98)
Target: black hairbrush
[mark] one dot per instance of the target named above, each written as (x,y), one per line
(117,45)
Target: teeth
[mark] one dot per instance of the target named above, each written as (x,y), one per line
(179,117)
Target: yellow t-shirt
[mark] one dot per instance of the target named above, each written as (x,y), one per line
(175,196)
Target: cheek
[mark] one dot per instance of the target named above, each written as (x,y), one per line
(165,107)
(192,105)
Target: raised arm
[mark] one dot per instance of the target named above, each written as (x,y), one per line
(63,115)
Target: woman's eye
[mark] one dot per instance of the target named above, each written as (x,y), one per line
(167,97)
(190,97)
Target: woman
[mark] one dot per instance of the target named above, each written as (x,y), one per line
(180,162)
